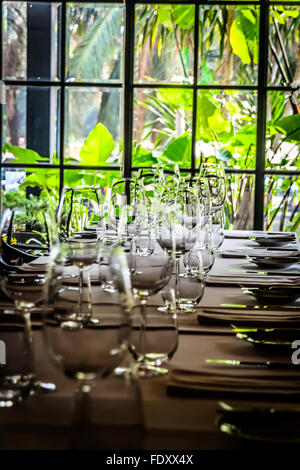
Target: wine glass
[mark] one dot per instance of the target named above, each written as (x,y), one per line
(191,287)
(32,227)
(27,294)
(203,248)
(148,276)
(83,351)
(159,341)
(215,175)
(176,228)
(81,213)
(218,227)
(82,257)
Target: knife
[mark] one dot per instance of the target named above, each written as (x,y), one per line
(267,364)
(270,273)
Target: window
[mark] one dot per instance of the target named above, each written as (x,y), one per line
(98,90)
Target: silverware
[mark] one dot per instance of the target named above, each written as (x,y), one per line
(270,273)
(267,364)
(255,307)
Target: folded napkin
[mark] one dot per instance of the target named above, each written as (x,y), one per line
(255,280)
(250,317)
(234,381)
(257,233)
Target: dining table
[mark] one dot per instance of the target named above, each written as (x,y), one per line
(185,408)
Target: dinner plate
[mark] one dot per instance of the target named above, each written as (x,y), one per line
(265,426)
(274,240)
(274,294)
(275,338)
(275,259)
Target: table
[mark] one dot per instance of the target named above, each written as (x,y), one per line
(170,422)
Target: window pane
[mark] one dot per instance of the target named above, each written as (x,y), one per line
(283,134)
(239,207)
(30,38)
(284,45)
(18,183)
(164,46)
(30,121)
(282,203)
(87,107)
(76,178)
(95,41)
(228,45)
(162,127)
(226,127)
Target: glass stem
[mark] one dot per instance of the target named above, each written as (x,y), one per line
(80,300)
(143,328)
(80,432)
(28,341)
(177,278)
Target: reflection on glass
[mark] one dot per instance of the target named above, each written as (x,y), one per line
(95,42)
(164,43)
(88,107)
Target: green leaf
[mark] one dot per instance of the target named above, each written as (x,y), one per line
(206,75)
(97,147)
(183,16)
(179,150)
(164,16)
(290,125)
(23,155)
(238,41)
(143,157)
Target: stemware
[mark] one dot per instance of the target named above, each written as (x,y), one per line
(214,173)
(82,350)
(191,287)
(176,228)
(82,258)
(34,231)
(148,276)
(159,342)
(217,222)
(81,213)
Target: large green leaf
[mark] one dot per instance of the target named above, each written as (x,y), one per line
(238,42)
(41,178)
(97,147)
(22,155)
(290,126)
(142,157)
(184,15)
(179,15)
(164,16)
(178,151)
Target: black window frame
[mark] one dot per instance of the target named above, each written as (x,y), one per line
(262,88)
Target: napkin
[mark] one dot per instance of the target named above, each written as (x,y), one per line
(234,381)
(254,280)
